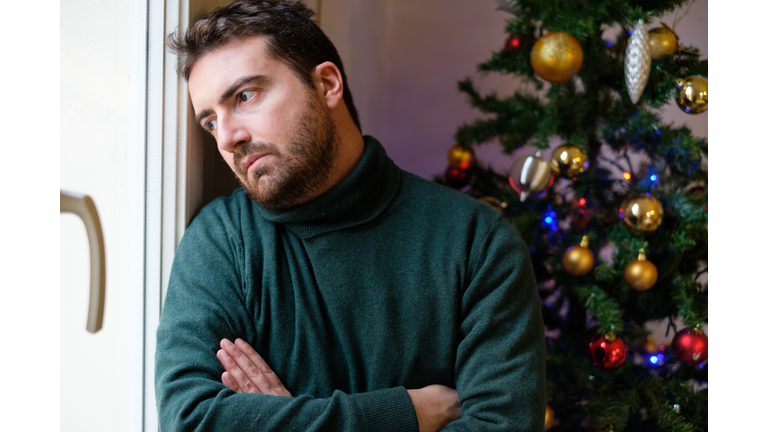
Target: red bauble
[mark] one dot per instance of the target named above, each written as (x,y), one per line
(690,348)
(608,351)
(513,44)
(457,178)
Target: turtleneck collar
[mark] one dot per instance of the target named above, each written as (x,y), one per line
(359,198)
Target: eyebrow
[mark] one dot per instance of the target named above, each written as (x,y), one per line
(230,91)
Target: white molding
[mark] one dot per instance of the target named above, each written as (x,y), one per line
(136,228)
(154,200)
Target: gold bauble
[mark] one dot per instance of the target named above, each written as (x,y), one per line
(578,260)
(568,160)
(649,346)
(692,95)
(640,274)
(461,158)
(557,57)
(642,212)
(549,417)
(663,42)
(494,203)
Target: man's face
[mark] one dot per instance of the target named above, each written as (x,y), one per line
(274,132)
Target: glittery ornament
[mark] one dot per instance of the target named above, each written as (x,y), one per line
(640,274)
(461,158)
(692,95)
(608,352)
(457,178)
(690,347)
(494,203)
(578,260)
(642,212)
(637,61)
(556,57)
(530,175)
(568,160)
(663,42)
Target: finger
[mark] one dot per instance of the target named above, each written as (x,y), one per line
(230,382)
(266,372)
(255,368)
(240,379)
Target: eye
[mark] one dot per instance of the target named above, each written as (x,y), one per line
(211,125)
(246,95)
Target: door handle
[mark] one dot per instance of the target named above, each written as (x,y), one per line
(83,206)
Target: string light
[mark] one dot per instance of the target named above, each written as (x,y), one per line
(582,201)
(627,175)
(653,177)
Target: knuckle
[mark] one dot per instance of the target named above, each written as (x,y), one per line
(247,387)
(266,368)
(254,371)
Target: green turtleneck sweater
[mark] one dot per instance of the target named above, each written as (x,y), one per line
(387,282)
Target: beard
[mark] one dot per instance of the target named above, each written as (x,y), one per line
(302,170)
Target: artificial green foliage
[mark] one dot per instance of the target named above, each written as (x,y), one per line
(594,111)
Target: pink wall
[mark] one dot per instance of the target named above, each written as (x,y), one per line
(404,59)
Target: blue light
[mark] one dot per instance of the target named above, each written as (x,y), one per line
(609,43)
(654,359)
(548,219)
(687,110)
(653,177)
(660,356)
(658,132)
(586,164)
(701,365)
(647,194)
(630,31)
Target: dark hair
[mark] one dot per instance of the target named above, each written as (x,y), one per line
(291,38)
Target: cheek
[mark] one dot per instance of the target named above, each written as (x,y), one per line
(229,158)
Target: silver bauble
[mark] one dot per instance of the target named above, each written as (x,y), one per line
(530,175)
(637,61)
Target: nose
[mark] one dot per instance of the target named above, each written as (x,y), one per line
(231,133)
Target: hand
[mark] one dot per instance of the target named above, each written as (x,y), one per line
(245,370)
(436,406)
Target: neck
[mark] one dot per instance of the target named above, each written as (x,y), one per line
(350,151)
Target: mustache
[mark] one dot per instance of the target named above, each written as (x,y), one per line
(251,148)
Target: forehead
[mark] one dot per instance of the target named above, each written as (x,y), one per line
(217,69)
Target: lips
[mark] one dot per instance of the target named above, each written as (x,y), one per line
(250,161)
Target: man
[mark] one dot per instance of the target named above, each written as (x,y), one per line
(334,291)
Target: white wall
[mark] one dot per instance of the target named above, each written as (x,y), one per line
(95,100)
(404,58)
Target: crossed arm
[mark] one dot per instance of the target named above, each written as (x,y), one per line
(245,371)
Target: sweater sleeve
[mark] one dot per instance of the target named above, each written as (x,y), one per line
(500,364)
(205,303)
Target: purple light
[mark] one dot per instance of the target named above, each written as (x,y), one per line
(586,164)
(647,194)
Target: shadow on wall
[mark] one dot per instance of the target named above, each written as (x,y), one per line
(218,178)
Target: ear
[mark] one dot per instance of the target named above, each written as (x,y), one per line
(331,84)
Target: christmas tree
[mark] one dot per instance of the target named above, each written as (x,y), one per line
(613,207)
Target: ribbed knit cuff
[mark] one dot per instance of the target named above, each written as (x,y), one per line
(388,410)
